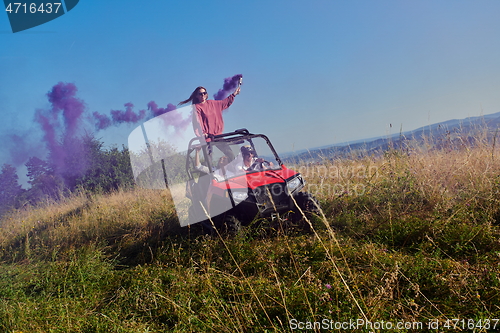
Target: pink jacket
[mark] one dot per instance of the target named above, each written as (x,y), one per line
(207,117)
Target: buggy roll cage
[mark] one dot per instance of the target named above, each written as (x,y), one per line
(231,137)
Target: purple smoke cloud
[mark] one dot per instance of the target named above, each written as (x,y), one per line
(127,116)
(101,121)
(48,127)
(156,111)
(174,118)
(64,121)
(118,117)
(229,86)
(62,97)
(22,146)
(56,135)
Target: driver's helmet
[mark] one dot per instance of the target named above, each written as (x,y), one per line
(245,150)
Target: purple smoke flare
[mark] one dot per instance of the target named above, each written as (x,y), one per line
(230,84)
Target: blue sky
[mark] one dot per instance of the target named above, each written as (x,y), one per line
(315,72)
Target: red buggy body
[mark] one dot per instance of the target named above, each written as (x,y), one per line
(228,196)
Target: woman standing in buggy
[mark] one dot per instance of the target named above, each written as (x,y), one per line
(207,116)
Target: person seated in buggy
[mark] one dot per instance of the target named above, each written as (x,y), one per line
(247,161)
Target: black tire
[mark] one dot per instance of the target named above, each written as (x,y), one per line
(207,228)
(225,224)
(307,203)
(231,224)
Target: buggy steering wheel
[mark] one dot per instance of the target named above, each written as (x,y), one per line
(262,165)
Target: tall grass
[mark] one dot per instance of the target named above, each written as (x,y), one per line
(409,236)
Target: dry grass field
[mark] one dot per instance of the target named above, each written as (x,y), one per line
(408,241)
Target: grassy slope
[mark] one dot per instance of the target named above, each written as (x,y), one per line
(406,237)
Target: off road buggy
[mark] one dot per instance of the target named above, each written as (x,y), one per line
(232,195)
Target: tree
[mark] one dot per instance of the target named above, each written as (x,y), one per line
(36,168)
(108,169)
(78,163)
(43,181)
(10,190)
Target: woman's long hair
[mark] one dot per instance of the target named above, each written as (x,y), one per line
(194,96)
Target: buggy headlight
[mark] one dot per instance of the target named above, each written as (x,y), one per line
(293,184)
(239,196)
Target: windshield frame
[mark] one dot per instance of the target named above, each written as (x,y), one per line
(231,139)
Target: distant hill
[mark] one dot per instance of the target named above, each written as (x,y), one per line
(433,136)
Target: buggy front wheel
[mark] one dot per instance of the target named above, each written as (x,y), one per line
(307,203)
(231,224)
